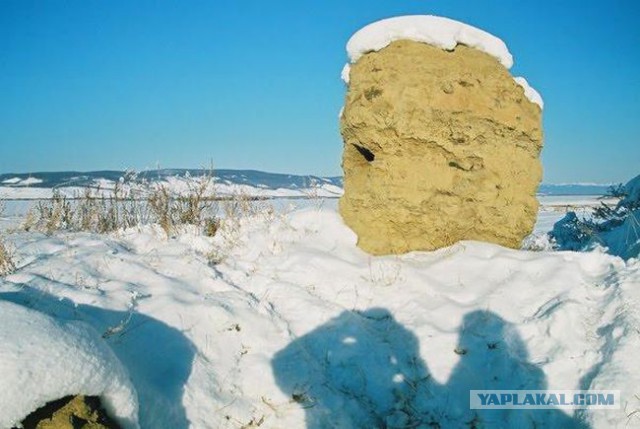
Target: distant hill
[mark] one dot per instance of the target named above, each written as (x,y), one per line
(249,181)
(259,179)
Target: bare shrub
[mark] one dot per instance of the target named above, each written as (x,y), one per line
(161,206)
(53,215)
(197,206)
(192,207)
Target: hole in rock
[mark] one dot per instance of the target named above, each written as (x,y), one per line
(456,165)
(366,153)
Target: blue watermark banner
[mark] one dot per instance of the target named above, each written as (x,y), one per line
(544,399)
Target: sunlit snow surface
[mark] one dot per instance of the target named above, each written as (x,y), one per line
(43,359)
(296,327)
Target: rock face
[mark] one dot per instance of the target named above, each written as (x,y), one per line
(78,412)
(439,146)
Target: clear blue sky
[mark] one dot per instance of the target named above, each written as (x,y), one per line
(87,84)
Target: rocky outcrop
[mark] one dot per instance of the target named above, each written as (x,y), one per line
(72,412)
(439,146)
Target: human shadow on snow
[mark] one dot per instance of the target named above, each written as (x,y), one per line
(363,370)
(157,356)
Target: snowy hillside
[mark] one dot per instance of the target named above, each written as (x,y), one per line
(292,326)
(227,182)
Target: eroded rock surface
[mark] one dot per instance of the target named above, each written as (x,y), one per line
(72,412)
(439,146)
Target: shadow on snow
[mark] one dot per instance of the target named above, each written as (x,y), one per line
(363,370)
(157,356)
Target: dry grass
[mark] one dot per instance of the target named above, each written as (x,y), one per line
(128,205)
(7,266)
(197,206)
(142,203)
(91,212)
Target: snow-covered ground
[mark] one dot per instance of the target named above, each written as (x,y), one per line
(295,327)
(44,359)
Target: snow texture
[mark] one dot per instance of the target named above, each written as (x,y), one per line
(533,95)
(43,359)
(346,73)
(295,327)
(436,31)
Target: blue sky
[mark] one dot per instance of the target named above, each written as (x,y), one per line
(116,84)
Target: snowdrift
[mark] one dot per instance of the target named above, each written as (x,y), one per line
(296,327)
(43,359)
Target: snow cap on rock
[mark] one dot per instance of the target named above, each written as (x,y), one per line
(437,31)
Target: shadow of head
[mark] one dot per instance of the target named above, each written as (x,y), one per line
(493,356)
(491,349)
(356,370)
(157,356)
